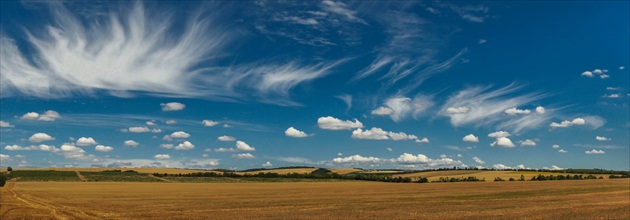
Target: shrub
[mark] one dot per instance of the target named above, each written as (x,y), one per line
(3,179)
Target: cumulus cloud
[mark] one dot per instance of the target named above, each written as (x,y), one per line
(225,150)
(622,67)
(471,138)
(226,138)
(243,156)
(423,140)
(41,147)
(595,152)
(597,72)
(162,156)
(611,96)
(540,110)
(372,134)
(4,124)
(555,146)
(151,123)
(331,123)
(242,146)
(167,146)
(516,111)
(502,142)
(186,145)
(478,160)
(499,134)
(49,115)
(501,167)
(172,106)
(72,152)
(179,134)
(527,142)
(267,164)
(593,121)
(156,130)
(587,73)
(40,137)
(382,111)
(292,132)
(562,151)
(356,159)
(83,141)
(138,129)
(103,148)
(209,123)
(131,143)
(400,107)
(601,138)
(170,122)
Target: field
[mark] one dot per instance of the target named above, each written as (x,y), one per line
(487,175)
(585,199)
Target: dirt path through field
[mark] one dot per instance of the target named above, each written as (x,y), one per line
(160,178)
(81,176)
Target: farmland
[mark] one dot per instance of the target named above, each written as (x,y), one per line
(587,199)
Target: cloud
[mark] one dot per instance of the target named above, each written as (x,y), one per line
(562,151)
(331,123)
(41,147)
(601,138)
(423,140)
(40,137)
(471,138)
(225,150)
(482,41)
(622,67)
(243,156)
(170,122)
(4,124)
(502,142)
(477,14)
(242,146)
(139,129)
(482,106)
(72,152)
(540,110)
(501,167)
(595,152)
(554,167)
(555,146)
(103,148)
(267,164)
(499,134)
(355,159)
(172,106)
(424,162)
(226,138)
(83,141)
(399,107)
(156,130)
(593,121)
(180,134)
(292,132)
(587,73)
(613,88)
(388,149)
(527,142)
(372,134)
(209,123)
(162,156)
(186,145)
(596,72)
(611,96)
(478,160)
(382,111)
(167,146)
(49,115)
(341,9)
(515,111)
(131,143)
(346,98)
(151,123)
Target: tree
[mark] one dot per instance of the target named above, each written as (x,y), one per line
(522,178)
(9,169)
(3,179)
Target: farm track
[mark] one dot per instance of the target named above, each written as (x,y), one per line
(81,177)
(160,178)
(58,212)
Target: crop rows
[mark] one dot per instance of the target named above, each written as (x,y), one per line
(44,175)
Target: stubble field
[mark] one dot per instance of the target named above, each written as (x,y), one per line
(584,199)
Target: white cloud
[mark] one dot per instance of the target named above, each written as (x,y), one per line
(516,111)
(4,124)
(226,138)
(594,121)
(601,138)
(341,9)
(267,164)
(103,148)
(72,152)
(346,98)
(501,167)
(243,156)
(167,146)
(478,160)
(172,106)
(226,126)
(242,146)
(388,149)
(40,137)
(131,143)
(209,123)
(595,152)
(527,142)
(604,76)
(138,129)
(578,121)
(156,130)
(423,140)
(292,132)
(170,122)
(622,67)
(611,96)
(162,156)
(613,88)
(554,167)
(596,72)
(457,110)
(355,159)
(372,134)
(331,123)
(41,147)
(382,111)
(540,110)
(562,151)
(225,150)
(180,134)
(471,138)
(401,136)
(49,115)
(482,41)
(186,145)
(587,74)
(150,123)
(502,142)
(167,138)
(499,134)
(555,146)
(83,141)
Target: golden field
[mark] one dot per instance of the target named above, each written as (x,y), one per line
(579,199)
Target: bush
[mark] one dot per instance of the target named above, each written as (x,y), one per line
(9,169)
(512,179)
(3,179)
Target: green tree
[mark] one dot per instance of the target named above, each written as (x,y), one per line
(522,178)
(9,169)
(3,179)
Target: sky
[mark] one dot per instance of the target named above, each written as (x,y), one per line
(369,84)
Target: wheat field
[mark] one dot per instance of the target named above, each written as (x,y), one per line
(583,199)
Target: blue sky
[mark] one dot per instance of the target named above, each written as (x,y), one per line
(372,84)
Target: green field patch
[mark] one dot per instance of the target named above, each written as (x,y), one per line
(44,175)
(118,177)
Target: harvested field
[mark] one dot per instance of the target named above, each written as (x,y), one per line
(586,199)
